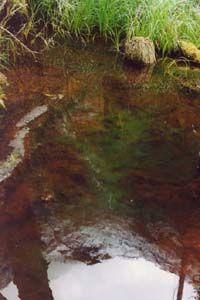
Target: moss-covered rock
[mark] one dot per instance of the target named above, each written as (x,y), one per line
(140,50)
(190,51)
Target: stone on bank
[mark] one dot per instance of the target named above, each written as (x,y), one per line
(140,50)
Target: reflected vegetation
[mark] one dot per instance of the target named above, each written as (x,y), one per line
(107,189)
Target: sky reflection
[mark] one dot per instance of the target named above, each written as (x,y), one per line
(10,292)
(114,279)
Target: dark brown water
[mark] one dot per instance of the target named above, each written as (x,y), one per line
(99,192)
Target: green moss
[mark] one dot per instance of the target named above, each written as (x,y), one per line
(113,151)
(190,51)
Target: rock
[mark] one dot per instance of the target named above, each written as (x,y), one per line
(190,51)
(138,74)
(140,50)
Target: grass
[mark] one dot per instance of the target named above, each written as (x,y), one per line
(3,58)
(164,21)
(90,18)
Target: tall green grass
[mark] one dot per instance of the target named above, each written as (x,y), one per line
(90,18)
(164,21)
(3,53)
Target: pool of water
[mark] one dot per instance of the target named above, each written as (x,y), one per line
(99,190)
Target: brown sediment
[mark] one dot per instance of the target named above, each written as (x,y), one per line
(151,191)
(27,83)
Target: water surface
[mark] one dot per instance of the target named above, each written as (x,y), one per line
(99,191)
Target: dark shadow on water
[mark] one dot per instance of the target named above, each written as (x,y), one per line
(22,252)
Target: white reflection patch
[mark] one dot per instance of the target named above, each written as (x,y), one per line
(10,292)
(114,279)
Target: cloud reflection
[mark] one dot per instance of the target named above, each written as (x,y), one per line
(114,279)
(10,292)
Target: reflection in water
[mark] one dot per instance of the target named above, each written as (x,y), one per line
(17,144)
(22,250)
(114,279)
(10,292)
(113,138)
